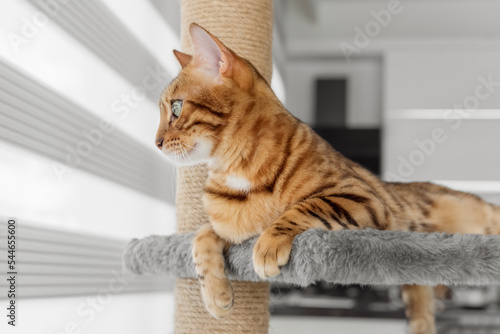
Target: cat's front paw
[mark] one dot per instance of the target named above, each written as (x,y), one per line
(270,252)
(218,296)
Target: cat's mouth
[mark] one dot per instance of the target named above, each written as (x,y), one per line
(183,154)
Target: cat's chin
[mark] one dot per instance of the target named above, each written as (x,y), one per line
(199,153)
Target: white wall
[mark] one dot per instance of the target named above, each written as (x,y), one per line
(456,96)
(427,91)
(364,88)
(438,80)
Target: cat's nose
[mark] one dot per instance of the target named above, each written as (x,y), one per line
(159,143)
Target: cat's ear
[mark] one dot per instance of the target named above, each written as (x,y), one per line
(215,58)
(209,53)
(183,58)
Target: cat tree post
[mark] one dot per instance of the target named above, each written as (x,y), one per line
(246,27)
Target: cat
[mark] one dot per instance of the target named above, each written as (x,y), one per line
(271,175)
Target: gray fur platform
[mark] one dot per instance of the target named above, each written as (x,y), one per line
(366,257)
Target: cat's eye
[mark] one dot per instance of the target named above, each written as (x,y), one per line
(176,107)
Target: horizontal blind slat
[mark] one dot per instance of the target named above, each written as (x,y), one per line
(53,262)
(66,291)
(60,280)
(55,235)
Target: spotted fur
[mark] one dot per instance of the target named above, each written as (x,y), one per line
(289,179)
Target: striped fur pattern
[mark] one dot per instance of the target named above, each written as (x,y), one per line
(272,176)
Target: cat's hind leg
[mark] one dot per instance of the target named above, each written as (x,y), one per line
(419,305)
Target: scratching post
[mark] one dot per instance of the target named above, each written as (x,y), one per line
(246,27)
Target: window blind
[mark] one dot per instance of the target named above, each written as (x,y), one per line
(53,262)
(38,119)
(97,28)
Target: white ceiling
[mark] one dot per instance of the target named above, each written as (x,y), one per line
(310,28)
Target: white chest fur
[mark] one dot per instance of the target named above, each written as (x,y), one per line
(238,183)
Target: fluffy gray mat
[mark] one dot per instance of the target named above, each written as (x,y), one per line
(366,257)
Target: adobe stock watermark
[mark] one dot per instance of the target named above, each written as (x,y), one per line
(31,27)
(88,310)
(372,29)
(154,81)
(453,118)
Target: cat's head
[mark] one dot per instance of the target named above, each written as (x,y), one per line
(205,102)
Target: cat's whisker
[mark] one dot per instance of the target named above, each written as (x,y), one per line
(215,136)
(211,134)
(197,149)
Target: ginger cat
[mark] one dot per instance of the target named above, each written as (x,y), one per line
(271,175)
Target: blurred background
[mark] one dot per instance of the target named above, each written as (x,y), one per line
(410,89)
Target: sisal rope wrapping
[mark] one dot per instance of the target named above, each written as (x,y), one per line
(250,299)
(246,27)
